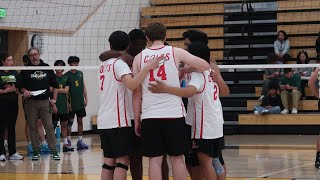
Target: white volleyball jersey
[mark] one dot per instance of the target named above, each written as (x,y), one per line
(114,101)
(130,107)
(161,105)
(204,108)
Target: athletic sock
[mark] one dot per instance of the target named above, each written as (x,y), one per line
(44,142)
(65,140)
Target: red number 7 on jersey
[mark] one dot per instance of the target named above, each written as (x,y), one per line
(102,83)
(161,73)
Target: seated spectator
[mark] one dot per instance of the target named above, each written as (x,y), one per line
(271,75)
(305,73)
(318,48)
(290,86)
(271,104)
(282,47)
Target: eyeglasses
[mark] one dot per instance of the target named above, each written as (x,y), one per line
(36,54)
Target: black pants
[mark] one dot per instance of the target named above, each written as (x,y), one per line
(8,119)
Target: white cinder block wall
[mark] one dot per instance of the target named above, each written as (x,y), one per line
(90,37)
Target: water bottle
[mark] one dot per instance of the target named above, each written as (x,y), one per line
(58,131)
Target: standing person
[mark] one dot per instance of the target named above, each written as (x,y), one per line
(79,100)
(204,115)
(282,47)
(62,106)
(38,106)
(137,43)
(44,144)
(290,85)
(8,109)
(315,88)
(115,126)
(305,73)
(162,127)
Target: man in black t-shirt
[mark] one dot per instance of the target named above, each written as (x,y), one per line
(35,86)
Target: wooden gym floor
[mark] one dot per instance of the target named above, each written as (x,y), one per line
(247,157)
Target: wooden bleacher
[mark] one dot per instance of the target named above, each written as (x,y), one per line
(213,43)
(279,119)
(305,105)
(259,89)
(174,2)
(211,32)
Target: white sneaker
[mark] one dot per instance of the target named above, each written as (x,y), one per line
(255,112)
(285,111)
(3,157)
(294,111)
(16,156)
(261,98)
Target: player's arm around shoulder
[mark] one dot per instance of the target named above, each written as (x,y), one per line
(313,81)
(216,77)
(184,56)
(140,74)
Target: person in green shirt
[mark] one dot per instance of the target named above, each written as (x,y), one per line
(290,85)
(62,105)
(79,100)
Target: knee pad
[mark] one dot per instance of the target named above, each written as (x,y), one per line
(217,166)
(123,166)
(106,166)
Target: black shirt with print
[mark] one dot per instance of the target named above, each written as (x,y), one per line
(34,80)
(8,78)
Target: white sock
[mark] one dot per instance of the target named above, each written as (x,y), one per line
(29,142)
(5,142)
(79,138)
(69,137)
(44,142)
(65,140)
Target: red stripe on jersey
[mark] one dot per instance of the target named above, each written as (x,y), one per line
(204,85)
(118,110)
(201,126)
(195,122)
(174,59)
(182,108)
(125,108)
(114,74)
(157,48)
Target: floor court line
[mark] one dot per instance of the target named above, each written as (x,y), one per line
(276,172)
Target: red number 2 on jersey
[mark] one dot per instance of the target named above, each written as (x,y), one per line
(102,79)
(161,73)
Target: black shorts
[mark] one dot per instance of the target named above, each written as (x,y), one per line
(80,113)
(163,136)
(211,147)
(60,117)
(188,145)
(116,142)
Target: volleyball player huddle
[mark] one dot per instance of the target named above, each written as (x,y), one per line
(159,114)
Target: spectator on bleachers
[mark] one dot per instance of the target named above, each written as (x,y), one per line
(271,75)
(318,48)
(271,104)
(305,73)
(290,86)
(282,47)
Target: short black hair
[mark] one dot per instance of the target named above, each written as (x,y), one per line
(59,63)
(287,70)
(200,50)
(273,85)
(73,59)
(272,58)
(25,58)
(137,34)
(196,36)
(119,41)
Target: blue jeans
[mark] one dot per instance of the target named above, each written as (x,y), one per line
(273,110)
